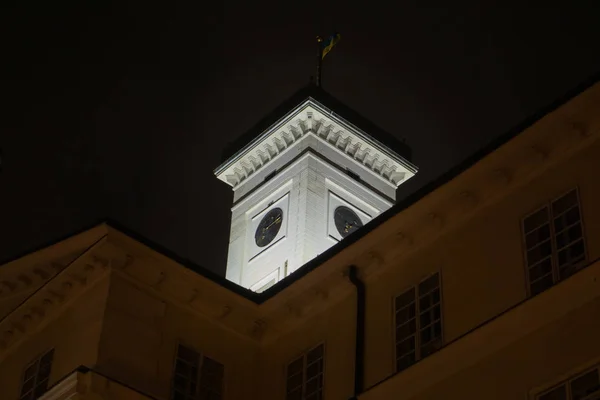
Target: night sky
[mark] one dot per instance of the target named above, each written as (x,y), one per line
(123,112)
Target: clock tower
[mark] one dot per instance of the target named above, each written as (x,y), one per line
(303,179)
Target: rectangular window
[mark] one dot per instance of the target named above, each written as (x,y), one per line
(554,243)
(196,377)
(585,386)
(418,321)
(266,282)
(35,378)
(305,376)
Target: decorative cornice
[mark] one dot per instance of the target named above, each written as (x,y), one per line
(311,119)
(26,280)
(46,302)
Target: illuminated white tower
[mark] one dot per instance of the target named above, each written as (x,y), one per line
(303,179)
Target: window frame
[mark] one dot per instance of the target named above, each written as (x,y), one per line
(566,381)
(554,248)
(37,360)
(259,286)
(201,355)
(417,319)
(304,355)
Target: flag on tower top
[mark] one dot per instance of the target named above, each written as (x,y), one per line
(328,44)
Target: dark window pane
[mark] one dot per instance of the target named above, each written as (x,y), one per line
(437,312)
(405,361)
(425,318)
(294,381)
(539,252)
(182,368)
(44,371)
(209,394)
(431,347)
(426,335)
(30,371)
(177,395)
(541,284)
(405,314)
(313,385)
(188,355)
(535,220)
(314,369)
(404,347)
(294,395)
(572,216)
(314,354)
(585,384)
(435,295)
(40,389)
(406,330)
(537,236)
(204,393)
(215,396)
(47,358)
(437,329)
(429,284)
(564,203)
(540,270)
(295,366)
(571,254)
(27,396)
(405,299)
(28,385)
(425,302)
(568,236)
(180,382)
(560,393)
(315,396)
(212,367)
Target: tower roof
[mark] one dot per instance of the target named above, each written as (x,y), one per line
(311,119)
(311,91)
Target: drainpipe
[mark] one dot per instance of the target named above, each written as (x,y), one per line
(359,356)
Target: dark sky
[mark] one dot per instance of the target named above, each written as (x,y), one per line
(123,112)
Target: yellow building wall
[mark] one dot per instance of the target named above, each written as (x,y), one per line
(74,335)
(481,264)
(141,334)
(335,329)
(557,351)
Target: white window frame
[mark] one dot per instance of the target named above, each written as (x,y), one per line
(201,356)
(554,250)
(418,356)
(37,360)
(304,356)
(567,382)
(268,281)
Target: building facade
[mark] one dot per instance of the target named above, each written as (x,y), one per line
(485,285)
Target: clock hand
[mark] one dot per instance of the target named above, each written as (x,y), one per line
(349,226)
(272,223)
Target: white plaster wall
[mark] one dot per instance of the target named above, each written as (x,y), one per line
(308,191)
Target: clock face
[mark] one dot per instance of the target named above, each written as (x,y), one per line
(269,227)
(346,220)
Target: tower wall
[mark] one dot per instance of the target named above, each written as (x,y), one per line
(308,191)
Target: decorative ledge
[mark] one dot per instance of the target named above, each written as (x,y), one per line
(311,119)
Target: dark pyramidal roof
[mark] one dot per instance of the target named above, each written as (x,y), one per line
(311,91)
